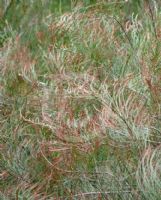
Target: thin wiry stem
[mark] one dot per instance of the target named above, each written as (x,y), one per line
(100,193)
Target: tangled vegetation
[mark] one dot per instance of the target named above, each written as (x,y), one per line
(80,100)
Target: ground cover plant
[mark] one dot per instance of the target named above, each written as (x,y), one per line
(80,100)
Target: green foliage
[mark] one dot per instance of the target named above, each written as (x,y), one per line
(80,99)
